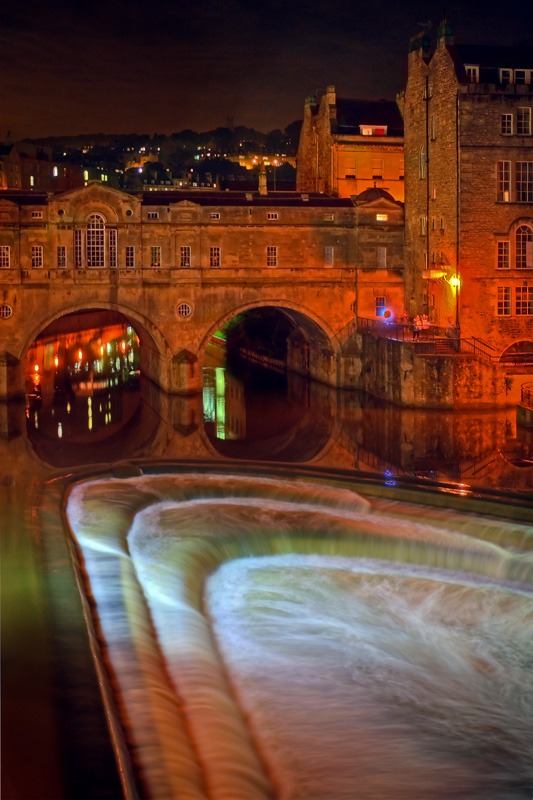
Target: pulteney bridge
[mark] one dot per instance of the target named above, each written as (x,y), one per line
(177,266)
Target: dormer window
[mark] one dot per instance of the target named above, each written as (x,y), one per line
(506,76)
(373,130)
(522,76)
(472,73)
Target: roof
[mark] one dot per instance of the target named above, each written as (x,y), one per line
(374,193)
(206,198)
(23,197)
(353,113)
(490,59)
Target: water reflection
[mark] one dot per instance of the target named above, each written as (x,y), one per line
(86,403)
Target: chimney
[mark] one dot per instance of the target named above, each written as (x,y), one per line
(445,33)
(262,181)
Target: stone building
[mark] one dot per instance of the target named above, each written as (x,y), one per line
(347,146)
(30,167)
(469,188)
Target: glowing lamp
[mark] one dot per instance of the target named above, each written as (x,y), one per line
(56,361)
(80,355)
(455,281)
(36,368)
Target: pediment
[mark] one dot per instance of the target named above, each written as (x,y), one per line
(187,204)
(95,190)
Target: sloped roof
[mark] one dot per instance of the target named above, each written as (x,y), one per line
(490,59)
(353,113)
(374,193)
(205,198)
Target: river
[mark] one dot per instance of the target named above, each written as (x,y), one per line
(289,591)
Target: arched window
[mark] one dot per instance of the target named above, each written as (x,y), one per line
(524,247)
(422,163)
(95,241)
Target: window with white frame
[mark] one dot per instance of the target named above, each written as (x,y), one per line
(153,215)
(272,256)
(522,76)
(36,257)
(524,247)
(504,181)
(381,304)
(523,122)
(214,215)
(524,181)
(4,257)
(272,215)
(130,257)
(504,255)
(94,242)
(328,256)
(381,257)
(214,256)
(112,248)
(422,163)
(472,73)
(36,214)
(61,257)
(524,301)
(507,124)
(382,217)
(185,256)
(506,76)
(503,307)
(78,248)
(422,226)
(155,256)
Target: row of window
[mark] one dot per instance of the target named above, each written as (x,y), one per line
(95,252)
(523,250)
(506,76)
(523,181)
(215,215)
(523,301)
(521,126)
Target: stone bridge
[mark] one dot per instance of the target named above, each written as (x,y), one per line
(177,269)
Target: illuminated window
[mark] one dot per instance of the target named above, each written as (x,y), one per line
(272,256)
(328,217)
(155,256)
(36,214)
(328,256)
(61,257)
(185,256)
(36,257)
(214,257)
(112,249)
(506,76)
(130,257)
(78,249)
(524,301)
(272,215)
(381,257)
(32,180)
(503,308)
(507,124)
(504,255)
(422,163)
(4,257)
(153,215)
(504,181)
(523,122)
(524,181)
(214,215)
(381,303)
(85,175)
(382,217)
(524,247)
(472,73)
(94,242)
(55,172)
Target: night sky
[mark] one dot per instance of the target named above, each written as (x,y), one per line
(145,67)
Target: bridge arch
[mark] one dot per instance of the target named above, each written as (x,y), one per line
(313,349)
(156,357)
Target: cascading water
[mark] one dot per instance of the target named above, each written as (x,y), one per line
(293,639)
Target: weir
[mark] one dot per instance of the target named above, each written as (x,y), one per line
(308,635)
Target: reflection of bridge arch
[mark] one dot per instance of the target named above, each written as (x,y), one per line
(154,349)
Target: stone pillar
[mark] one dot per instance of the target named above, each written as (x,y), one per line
(185,373)
(11,377)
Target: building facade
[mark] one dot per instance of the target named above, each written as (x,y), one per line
(467,114)
(347,146)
